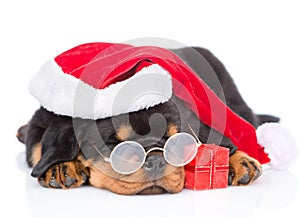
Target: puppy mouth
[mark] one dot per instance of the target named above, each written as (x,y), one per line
(154,189)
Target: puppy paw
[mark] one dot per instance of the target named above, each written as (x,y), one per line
(243,169)
(64,175)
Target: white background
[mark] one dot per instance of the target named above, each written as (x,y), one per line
(258,41)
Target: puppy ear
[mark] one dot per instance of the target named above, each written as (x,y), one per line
(59,144)
(22,134)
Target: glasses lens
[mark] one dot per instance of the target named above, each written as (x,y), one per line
(180,149)
(127,157)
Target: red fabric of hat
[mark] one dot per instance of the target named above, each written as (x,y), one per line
(101,65)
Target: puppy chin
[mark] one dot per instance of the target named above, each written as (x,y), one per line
(138,183)
(172,182)
(154,189)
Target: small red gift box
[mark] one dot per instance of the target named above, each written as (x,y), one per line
(209,169)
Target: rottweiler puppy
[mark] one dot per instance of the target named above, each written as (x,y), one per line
(67,152)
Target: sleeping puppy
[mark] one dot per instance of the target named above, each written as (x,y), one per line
(66,152)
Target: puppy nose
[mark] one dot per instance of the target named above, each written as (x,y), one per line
(155,165)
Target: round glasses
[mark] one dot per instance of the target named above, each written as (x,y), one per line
(129,156)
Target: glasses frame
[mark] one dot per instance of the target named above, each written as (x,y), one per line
(109,159)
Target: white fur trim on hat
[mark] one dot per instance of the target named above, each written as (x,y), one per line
(64,94)
(278,143)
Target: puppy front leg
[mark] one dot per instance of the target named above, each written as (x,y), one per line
(58,166)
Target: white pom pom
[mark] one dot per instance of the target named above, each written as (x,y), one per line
(278,143)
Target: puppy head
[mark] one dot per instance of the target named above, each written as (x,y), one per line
(151,128)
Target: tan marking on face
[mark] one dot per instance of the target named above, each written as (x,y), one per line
(124,132)
(172,129)
(103,176)
(173,180)
(36,154)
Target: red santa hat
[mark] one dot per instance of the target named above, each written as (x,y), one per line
(119,78)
